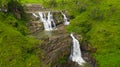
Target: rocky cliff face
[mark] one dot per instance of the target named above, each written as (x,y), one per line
(56,44)
(57,49)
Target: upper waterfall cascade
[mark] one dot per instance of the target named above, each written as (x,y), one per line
(75,55)
(48,21)
(66,22)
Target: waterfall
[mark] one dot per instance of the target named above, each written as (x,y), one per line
(75,55)
(52,20)
(48,21)
(34,15)
(43,19)
(66,22)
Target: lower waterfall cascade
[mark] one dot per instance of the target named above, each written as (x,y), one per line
(75,55)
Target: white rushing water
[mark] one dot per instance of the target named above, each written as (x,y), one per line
(66,22)
(75,55)
(48,21)
(35,15)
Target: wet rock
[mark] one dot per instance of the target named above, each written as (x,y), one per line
(35,26)
(56,47)
(87,50)
(58,18)
(86,47)
(72,64)
(34,7)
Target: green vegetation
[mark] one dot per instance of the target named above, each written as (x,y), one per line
(99,24)
(96,20)
(16,49)
(63,60)
(31,1)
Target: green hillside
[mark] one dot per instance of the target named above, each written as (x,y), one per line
(99,23)
(16,49)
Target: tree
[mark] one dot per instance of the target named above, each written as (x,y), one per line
(15,7)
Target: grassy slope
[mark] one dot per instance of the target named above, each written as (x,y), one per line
(100,26)
(15,48)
